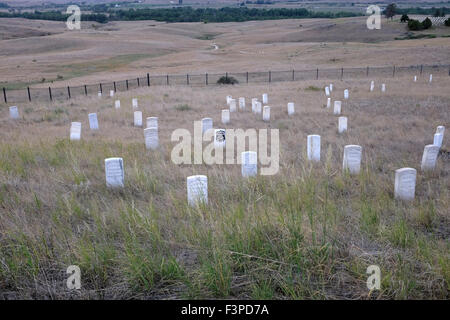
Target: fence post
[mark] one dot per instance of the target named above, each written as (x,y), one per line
(127,83)
(115,89)
(50,93)
(393,72)
(293,75)
(4,95)
(101,88)
(85,90)
(270,76)
(421,69)
(342,73)
(317,74)
(206,78)
(367,72)
(247,76)
(29,95)
(138,82)
(187,79)
(226,76)
(148,80)
(68,91)
(449,71)
(167,79)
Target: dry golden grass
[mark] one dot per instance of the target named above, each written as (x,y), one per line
(308,232)
(121,50)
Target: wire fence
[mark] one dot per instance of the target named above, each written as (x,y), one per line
(61,93)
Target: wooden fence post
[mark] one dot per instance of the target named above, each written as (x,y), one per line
(206,78)
(148,80)
(4,95)
(50,93)
(68,91)
(29,94)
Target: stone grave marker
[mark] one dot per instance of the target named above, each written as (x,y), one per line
(207,124)
(225,116)
(151,138)
(291,108)
(114,172)
(242,103)
(352,159)
(337,107)
(152,122)
(429,158)
(342,127)
(75,131)
(93,121)
(405,183)
(138,118)
(266,113)
(249,161)
(197,190)
(14,112)
(313,147)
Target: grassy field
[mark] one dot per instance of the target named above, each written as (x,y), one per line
(126,50)
(308,232)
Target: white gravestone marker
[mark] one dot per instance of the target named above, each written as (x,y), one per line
(405,183)
(117,104)
(383,87)
(346,94)
(249,160)
(327,91)
(415,78)
(440,129)
(265,98)
(331,87)
(352,158)
(151,138)
(152,122)
(258,107)
(372,85)
(266,113)
(431,78)
(313,147)
(241,103)
(14,112)
(430,154)
(233,105)
(219,138)
(111,93)
(254,101)
(225,116)
(337,107)
(99,94)
(342,124)
(437,141)
(291,108)
(134,102)
(138,118)
(207,124)
(93,121)
(197,190)
(75,131)
(114,172)
(228,100)
(328,102)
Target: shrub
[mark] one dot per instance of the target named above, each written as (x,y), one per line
(404,18)
(414,25)
(227,80)
(427,23)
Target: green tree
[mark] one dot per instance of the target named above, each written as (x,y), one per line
(427,23)
(414,25)
(404,18)
(390,11)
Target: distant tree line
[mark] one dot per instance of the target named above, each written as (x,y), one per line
(188,14)
(436,12)
(104,14)
(53,16)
